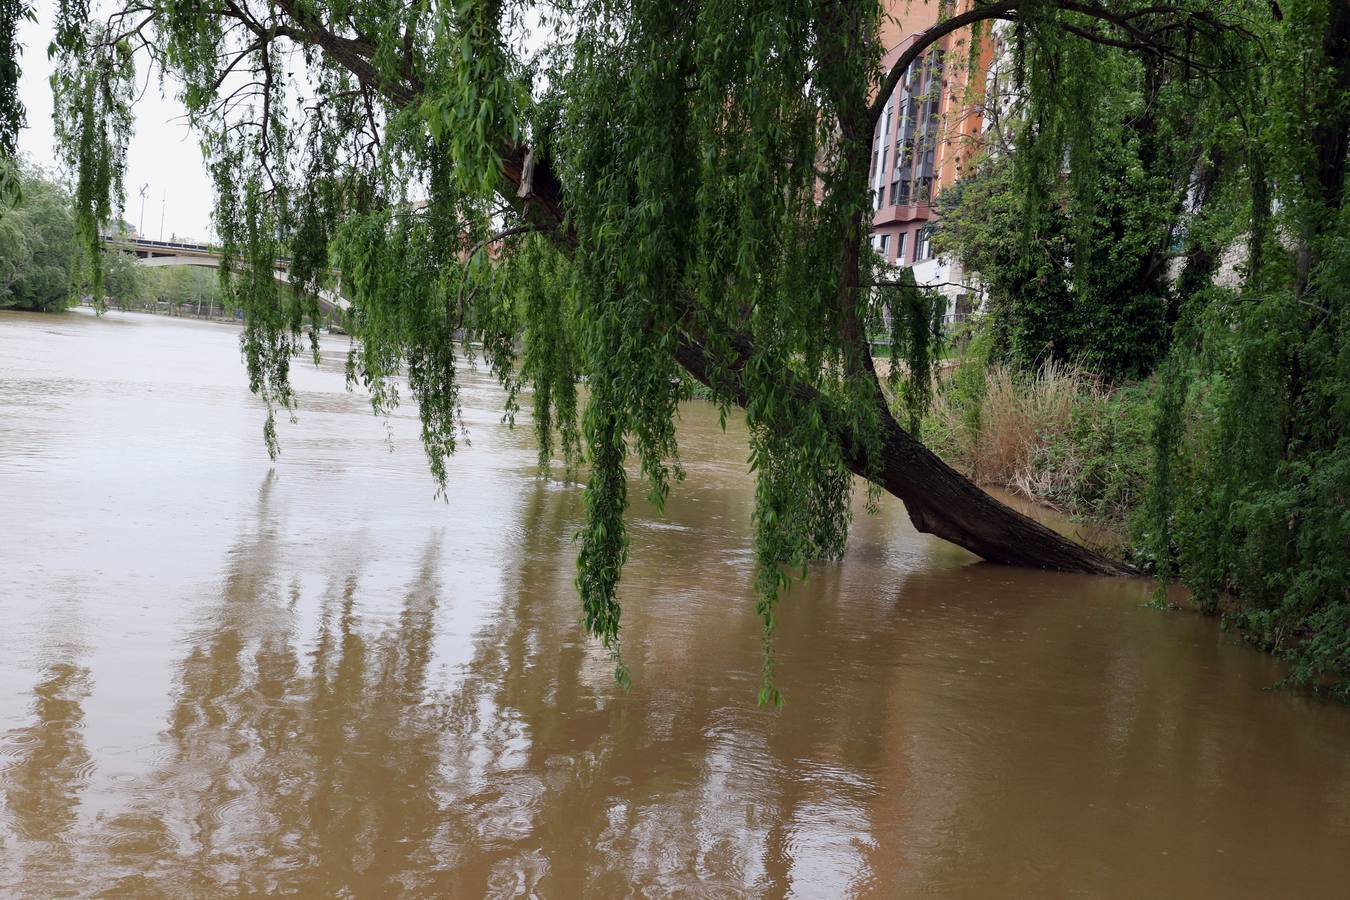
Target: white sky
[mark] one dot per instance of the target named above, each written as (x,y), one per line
(163,151)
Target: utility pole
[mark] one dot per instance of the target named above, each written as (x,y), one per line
(163,205)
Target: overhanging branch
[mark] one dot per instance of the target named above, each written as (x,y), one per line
(1001,10)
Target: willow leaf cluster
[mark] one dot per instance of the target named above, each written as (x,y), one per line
(12,14)
(93,84)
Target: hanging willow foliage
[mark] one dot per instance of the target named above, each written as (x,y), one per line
(12,13)
(670,186)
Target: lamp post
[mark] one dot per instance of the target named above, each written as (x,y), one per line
(140,229)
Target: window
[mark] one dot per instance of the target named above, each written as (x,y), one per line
(885,246)
(900,189)
(877,140)
(923,190)
(923,246)
(965,305)
(880,193)
(904,154)
(900,249)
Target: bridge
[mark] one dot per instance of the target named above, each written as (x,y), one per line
(178,253)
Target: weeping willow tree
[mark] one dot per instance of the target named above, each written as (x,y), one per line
(666,187)
(1253,437)
(12,13)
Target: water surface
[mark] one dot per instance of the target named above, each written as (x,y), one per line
(224,676)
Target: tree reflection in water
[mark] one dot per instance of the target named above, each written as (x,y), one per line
(290,771)
(323,742)
(44,767)
(339,762)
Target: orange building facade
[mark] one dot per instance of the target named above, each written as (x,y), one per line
(933,125)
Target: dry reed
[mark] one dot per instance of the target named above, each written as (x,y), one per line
(1018,432)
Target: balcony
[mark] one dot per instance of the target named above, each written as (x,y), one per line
(904,213)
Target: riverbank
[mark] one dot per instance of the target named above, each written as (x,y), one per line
(1063,438)
(166,312)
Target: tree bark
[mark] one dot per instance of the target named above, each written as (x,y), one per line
(940,500)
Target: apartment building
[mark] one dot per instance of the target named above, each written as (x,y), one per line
(933,124)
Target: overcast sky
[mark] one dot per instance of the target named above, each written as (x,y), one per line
(163,153)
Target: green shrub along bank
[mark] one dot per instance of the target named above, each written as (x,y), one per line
(37,242)
(1269,558)
(1193,250)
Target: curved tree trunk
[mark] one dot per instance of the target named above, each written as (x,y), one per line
(943,502)
(940,500)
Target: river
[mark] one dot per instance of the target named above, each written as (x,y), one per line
(224,676)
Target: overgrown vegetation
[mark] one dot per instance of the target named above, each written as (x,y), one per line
(37,243)
(41,259)
(1108,266)
(1058,434)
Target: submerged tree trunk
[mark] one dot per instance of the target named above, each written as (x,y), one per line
(940,500)
(943,502)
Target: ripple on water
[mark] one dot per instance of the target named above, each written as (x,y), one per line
(506,815)
(222,812)
(84,771)
(519,876)
(135,835)
(17,742)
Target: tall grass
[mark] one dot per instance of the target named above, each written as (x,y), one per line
(1059,436)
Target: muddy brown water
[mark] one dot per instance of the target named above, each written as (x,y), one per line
(221,676)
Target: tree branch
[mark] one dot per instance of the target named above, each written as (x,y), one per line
(1001,10)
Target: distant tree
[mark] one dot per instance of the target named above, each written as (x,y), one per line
(37,244)
(185,286)
(124,281)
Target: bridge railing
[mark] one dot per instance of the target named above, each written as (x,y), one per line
(166,245)
(147,244)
